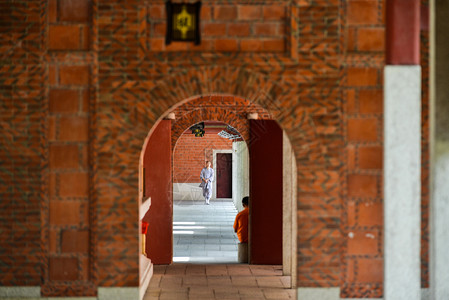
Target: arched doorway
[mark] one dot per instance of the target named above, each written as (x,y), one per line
(203,232)
(261,134)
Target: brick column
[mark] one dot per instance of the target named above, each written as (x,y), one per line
(402,152)
(69,225)
(439,235)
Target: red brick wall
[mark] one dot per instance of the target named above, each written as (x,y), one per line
(363,108)
(231,110)
(226,27)
(69,91)
(22,143)
(83,82)
(191,153)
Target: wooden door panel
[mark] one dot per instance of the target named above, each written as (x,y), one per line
(158,185)
(224,175)
(265,150)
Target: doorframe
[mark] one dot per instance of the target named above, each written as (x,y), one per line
(214,164)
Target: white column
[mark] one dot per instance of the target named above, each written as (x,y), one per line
(402,182)
(439,105)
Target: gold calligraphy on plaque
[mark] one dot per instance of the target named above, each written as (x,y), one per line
(184,22)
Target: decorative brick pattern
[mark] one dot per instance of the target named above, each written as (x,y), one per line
(83,82)
(231,110)
(22,143)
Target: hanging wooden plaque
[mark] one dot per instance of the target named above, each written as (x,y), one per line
(183,22)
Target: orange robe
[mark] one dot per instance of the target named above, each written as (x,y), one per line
(241,225)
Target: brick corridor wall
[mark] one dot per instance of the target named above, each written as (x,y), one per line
(231,27)
(363,107)
(70,67)
(22,143)
(81,89)
(191,153)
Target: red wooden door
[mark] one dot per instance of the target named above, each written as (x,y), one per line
(265,202)
(224,175)
(158,184)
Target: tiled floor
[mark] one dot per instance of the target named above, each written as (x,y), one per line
(204,233)
(219,281)
(205,248)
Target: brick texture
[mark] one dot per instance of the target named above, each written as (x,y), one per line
(191,152)
(363,208)
(22,115)
(227,27)
(83,82)
(70,80)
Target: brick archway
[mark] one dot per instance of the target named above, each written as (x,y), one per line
(211,108)
(126,121)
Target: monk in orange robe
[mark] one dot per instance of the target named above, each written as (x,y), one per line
(241,222)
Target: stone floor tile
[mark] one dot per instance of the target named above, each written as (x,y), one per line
(174,296)
(224,290)
(246,281)
(196,270)
(269,281)
(216,270)
(276,294)
(239,270)
(202,297)
(171,282)
(219,281)
(159,269)
(155,280)
(152,294)
(292,293)
(227,294)
(267,270)
(176,269)
(212,232)
(211,246)
(286,281)
(210,270)
(228,297)
(251,291)
(194,280)
(201,291)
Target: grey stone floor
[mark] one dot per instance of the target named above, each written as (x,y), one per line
(205,260)
(203,233)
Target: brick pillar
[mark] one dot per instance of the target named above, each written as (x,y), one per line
(69,249)
(402,152)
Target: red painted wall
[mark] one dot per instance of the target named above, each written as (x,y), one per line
(158,185)
(191,153)
(403,32)
(265,165)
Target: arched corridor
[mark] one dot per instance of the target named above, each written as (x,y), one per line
(268,169)
(358,88)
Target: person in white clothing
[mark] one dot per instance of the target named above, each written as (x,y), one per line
(207,177)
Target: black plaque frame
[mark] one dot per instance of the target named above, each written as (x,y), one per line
(173,9)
